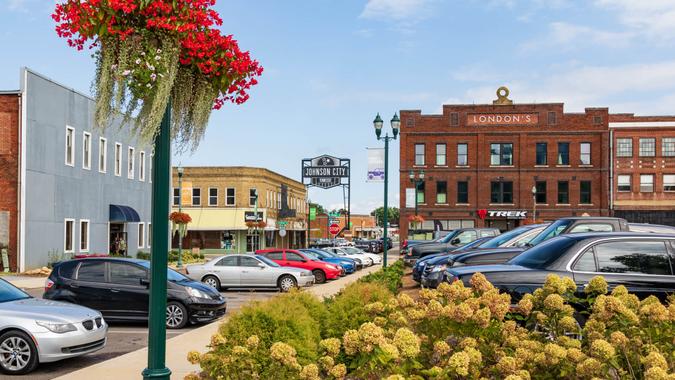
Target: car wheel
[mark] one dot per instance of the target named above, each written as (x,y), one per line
(212,281)
(319,276)
(176,315)
(287,282)
(18,354)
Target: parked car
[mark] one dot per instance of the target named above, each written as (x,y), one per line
(418,268)
(321,243)
(248,271)
(449,242)
(365,260)
(293,258)
(34,331)
(409,243)
(366,245)
(377,259)
(641,262)
(347,264)
(119,289)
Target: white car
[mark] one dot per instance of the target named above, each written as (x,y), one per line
(355,251)
(38,331)
(340,251)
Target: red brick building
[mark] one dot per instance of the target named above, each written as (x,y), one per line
(363,226)
(481,163)
(9,173)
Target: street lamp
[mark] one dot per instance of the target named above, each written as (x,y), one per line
(180,209)
(534,204)
(418,180)
(395,125)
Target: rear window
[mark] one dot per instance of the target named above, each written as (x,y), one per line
(645,257)
(553,230)
(592,227)
(544,254)
(67,269)
(91,271)
(503,238)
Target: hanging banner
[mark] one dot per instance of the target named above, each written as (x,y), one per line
(312,213)
(375,165)
(410,197)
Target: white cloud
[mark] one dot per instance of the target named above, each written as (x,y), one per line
(395,9)
(15,5)
(653,18)
(569,36)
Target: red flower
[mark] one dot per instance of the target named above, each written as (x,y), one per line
(180,217)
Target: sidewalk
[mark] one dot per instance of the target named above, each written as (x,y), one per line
(129,366)
(25,282)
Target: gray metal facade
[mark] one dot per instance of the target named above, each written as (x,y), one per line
(54,191)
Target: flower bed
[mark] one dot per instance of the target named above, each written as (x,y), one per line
(458,332)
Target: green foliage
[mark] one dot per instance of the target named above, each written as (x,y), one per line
(389,276)
(188,256)
(392,217)
(347,309)
(141,255)
(54,256)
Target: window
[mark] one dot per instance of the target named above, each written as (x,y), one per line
(623,182)
(540,194)
(585,153)
(127,274)
(551,118)
(585,192)
(176,196)
(68,233)
(229,196)
(668,147)
(227,261)
(118,159)
(645,257)
(275,255)
(252,197)
(196,196)
(213,196)
(647,147)
(149,240)
(563,192)
(646,183)
(501,154)
(454,118)
(501,192)
(86,150)
(586,263)
(291,256)
(591,227)
(84,236)
(131,160)
(440,154)
(420,193)
(102,155)
(70,146)
(91,271)
(246,261)
(542,153)
(462,154)
(463,192)
(597,120)
(419,154)
(624,147)
(141,235)
(563,153)
(441,192)
(141,166)
(669,182)
(466,237)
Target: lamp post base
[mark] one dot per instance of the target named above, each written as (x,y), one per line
(157,373)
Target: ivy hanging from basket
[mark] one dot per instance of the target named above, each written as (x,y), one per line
(179,222)
(150,51)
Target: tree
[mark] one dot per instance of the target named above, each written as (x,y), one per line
(392,215)
(319,209)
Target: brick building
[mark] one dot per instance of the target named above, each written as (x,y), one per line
(10,112)
(363,227)
(481,163)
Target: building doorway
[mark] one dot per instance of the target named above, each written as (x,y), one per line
(118,239)
(252,243)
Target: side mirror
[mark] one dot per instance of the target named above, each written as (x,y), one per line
(261,266)
(144,282)
(455,241)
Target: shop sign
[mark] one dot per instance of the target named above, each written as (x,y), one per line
(502,214)
(493,119)
(249,216)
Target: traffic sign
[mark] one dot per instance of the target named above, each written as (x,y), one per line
(334,229)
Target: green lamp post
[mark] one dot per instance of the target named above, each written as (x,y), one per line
(180,171)
(395,125)
(417,179)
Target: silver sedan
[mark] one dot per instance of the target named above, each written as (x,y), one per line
(34,331)
(249,271)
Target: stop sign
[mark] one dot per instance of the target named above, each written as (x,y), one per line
(334,229)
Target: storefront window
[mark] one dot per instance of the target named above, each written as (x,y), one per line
(252,243)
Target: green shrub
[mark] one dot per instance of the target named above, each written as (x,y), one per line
(389,276)
(347,309)
(143,255)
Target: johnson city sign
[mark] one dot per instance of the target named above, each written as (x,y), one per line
(493,119)
(502,214)
(325,171)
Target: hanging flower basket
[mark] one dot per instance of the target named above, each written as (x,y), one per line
(258,224)
(179,222)
(415,219)
(151,51)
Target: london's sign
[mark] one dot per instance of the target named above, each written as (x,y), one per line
(494,119)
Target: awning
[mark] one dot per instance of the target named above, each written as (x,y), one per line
(122,214)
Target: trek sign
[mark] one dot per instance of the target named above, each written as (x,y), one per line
(325,171)
(502,214)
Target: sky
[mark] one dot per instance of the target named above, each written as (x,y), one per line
(331,65)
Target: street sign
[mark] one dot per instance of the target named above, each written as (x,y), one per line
(282,233)
(334,229)
(312,213)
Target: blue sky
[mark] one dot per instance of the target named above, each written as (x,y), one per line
(331,65)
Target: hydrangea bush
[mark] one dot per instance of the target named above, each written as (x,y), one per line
(474,332)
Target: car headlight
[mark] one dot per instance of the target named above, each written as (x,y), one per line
(193,292)
(59,328)
(439,268)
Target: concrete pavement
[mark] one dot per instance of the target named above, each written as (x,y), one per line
(129,366)
(25,282)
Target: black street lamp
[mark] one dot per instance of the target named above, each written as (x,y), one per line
(395,125)
(417,179)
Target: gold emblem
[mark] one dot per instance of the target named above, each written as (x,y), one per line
(502,96)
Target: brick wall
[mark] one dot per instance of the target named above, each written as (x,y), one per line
(9,167)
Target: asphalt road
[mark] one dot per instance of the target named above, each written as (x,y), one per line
(128,337)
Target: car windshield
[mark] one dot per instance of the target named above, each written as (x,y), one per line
(319,253)
(267,261)
(329,254)
(171,275)
(311,255)
(544,254)
(9,292)
(448,237)
(497,241)
(353,251)
(556,228)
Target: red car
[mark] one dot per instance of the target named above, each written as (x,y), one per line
(291,258)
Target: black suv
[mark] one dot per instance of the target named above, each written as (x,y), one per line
(119,289)
(454,239)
